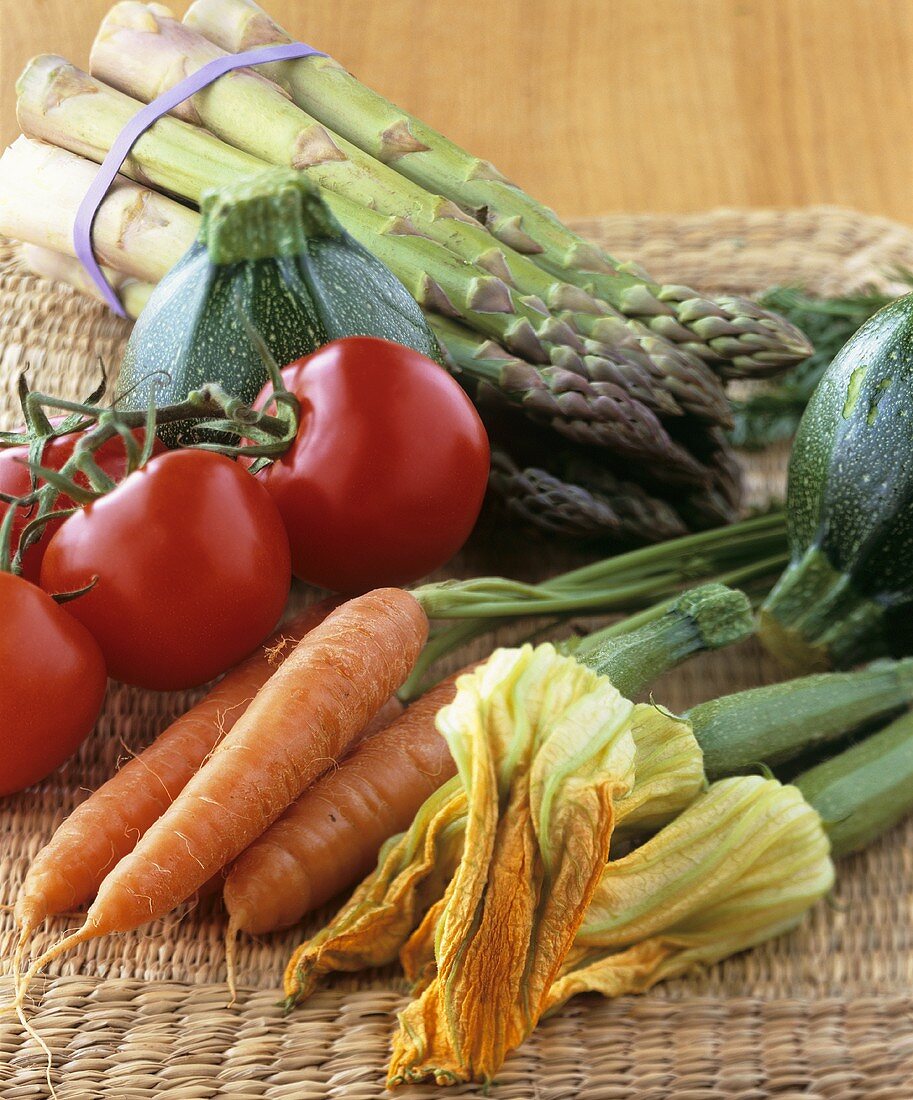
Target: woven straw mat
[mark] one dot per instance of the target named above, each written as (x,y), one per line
(823,1014)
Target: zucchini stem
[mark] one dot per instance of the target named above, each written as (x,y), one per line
(815,619)
(640,649)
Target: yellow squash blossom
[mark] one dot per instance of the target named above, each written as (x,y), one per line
(405,895)
(742,864)
(546,753)
(412,872)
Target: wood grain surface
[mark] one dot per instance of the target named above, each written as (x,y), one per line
(602,105)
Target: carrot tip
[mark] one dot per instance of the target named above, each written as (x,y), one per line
(87,932)
(20,987)
(231,939)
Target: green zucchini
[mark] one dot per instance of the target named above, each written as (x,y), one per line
(866,790)
(847,594)
(268,248)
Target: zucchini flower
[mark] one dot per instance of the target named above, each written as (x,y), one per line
(395,910)
(546,754)
(741,865)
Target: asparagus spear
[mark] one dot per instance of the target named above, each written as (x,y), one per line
(137,231)
(141,51)
(486,360)
(736,336)
(65,269)
(60,104)
(618,509)
(142,233)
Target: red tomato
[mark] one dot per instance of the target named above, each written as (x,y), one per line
(192,564)
(386,478)
(15,480)
(52,684)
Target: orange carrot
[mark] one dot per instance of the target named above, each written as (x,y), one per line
(69,869)
(301,720)
(330,837)
(390,711)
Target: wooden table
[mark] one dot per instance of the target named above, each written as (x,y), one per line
(600,105)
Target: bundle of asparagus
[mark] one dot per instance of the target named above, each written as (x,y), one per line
(521,306)
(736,336)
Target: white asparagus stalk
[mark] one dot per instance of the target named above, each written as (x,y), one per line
(137,231)
(66,269)
(59,103)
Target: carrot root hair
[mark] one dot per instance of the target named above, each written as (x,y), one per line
(33,1034)
(20,988)
(87,932)
(231,941)
(26,931)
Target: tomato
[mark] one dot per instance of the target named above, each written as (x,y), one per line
(192,564)
(15,480)
(52,684)
(386,477)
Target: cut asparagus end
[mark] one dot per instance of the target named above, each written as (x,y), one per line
(136,231)
(65,269)
(62,105)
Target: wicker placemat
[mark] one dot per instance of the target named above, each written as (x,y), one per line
(825,1013)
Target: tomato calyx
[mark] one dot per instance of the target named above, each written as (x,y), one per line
(75,593)
(262,435)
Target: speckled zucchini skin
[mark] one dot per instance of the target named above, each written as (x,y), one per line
(847,594)
(271,248)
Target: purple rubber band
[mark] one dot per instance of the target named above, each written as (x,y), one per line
(139,124)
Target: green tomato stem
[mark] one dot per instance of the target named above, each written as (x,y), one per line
(210,403)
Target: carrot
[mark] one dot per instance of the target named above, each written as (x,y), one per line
(69,869)
(303,718)
(391,710)
(330,837)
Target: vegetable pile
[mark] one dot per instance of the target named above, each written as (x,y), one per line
(348,328)
(601,389)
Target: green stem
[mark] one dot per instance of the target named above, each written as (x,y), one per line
(815,619)
(98,426)
(622,583)
(640,649)
(708,617)
(866,790)
(263,218)
(733,539)
(441,643)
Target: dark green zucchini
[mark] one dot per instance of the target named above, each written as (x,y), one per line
(847,594)
(268,248)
